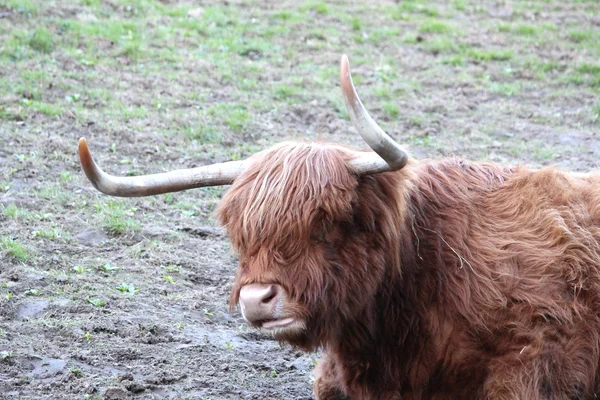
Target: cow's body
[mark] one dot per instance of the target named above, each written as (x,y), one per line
(451,280)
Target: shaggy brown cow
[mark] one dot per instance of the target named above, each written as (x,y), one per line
(419,280)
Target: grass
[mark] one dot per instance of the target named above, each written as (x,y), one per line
(490,55)
(414,7)
(391,109)
(13,248)
(49,234)
(526,30)
(22,6)
(318,7)
(587,74)
(434,26)
(580,36)
(12,211)
(116,218)
(41,40)
(441,45)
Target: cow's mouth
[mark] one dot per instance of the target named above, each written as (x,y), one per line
(277,323)
(283,327)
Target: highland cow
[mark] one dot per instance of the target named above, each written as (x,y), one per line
(418,280)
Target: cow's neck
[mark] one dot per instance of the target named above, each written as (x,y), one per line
(393,329)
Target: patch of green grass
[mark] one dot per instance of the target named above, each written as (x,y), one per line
(526,30)
(116,219)
(203,133)
(233,115)
(460,5)
(11,115)
(383,34)
(504,27)
(489,55)
(585,74)
(134,113)
(283,92)
(132,50)
(50,234)
(127,288)
(596,112)
(319,7)
(456,60)
(41,40)
(14,249)
(338,104)
(107,268)
(116,30)
(22,6)
(541,67)
(543,152)
(383,92)
(391,109)
(441,45)
(591,69)
(95,302)
(12,211)
(283,15)
(35,76)
(55,192)
(51,110)
(416,122)
(507,89)
(434,26)
(356,24)
(414,7)
(579,36)
(66,176)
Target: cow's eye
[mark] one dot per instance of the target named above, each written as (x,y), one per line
(318,237)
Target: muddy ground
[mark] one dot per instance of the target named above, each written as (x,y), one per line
(128,298)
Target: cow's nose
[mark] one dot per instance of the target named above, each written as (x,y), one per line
(259,302)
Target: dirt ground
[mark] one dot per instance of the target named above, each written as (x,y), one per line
(105,298)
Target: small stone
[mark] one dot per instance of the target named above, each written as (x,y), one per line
(91,238)
(90,389)
(125,377)
(115,393)
(196,12)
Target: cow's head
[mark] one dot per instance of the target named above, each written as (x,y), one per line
(314,224)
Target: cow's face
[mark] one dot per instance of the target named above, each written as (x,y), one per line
(314,225)
(295,219)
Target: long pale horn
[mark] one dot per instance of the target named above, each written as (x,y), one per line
(148,185)
(376,138)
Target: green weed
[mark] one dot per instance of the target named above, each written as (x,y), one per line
(14,249)
(117,219)
(317,6)
(41,40)
(434,26)
(127,288)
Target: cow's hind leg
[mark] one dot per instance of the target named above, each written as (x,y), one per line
(551,375)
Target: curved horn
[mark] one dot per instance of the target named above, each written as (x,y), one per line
(148,185)
(376,138)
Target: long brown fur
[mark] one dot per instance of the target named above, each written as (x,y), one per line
(444,280)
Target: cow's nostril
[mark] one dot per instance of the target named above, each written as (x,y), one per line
(270,296)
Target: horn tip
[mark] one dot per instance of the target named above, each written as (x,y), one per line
(82,143)
(344,64)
